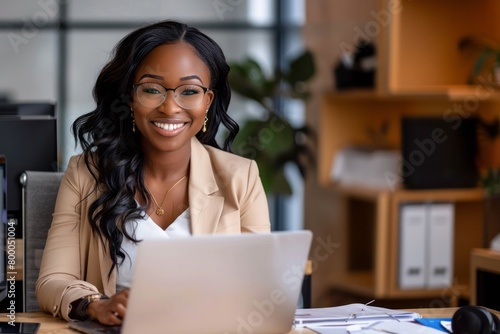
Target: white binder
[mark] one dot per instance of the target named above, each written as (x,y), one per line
(440,232)
(412,246)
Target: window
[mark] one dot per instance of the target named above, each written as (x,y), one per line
(53,50)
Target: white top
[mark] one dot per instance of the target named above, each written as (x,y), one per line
(147,229)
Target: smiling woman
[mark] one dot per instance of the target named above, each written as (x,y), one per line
(179,118)
(150,168)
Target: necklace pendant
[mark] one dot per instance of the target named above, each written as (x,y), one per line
(160,211)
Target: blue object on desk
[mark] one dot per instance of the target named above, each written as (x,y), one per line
(433,323)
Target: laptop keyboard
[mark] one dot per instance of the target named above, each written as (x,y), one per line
(110,330)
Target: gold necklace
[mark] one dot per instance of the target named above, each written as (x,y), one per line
(159,209)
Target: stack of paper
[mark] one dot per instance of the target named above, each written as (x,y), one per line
(347,315)
(373,168)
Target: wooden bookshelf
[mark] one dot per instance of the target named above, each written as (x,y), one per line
(420,72)
(371,267)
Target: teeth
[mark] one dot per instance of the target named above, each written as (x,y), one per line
(168,126)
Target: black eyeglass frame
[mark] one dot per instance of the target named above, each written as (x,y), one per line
(203,88)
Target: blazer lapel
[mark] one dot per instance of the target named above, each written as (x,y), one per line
(205,207)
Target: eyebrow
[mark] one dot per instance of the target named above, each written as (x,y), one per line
(159,77)
(189,77)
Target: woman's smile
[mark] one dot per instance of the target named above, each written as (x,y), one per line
(169,129)
(169,126)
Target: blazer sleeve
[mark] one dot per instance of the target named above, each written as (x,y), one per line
(60,280)
(254,209)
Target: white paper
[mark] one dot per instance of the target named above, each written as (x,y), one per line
(346,315)
(327,330)
(447,325)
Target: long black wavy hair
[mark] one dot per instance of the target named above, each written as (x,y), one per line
(112,151)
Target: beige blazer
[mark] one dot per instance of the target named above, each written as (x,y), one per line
(225,196)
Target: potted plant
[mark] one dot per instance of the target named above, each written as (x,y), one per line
(272,141)
(487,63)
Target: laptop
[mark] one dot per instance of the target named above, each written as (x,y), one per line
(248,283)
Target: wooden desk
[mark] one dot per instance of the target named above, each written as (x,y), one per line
(48,324)
(51,325)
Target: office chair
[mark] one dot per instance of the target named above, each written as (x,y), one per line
(39,192)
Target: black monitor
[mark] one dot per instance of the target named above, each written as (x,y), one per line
(28,141)
(3,220)
(3,190)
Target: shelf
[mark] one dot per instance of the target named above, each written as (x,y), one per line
(358,191)
(362,284)
(376,212)
(411,195)
(420,73)
(421,43)
(351,119)
(436,195)
(442,296)
(455,93)
(491,257)
(344,122)
(458,93)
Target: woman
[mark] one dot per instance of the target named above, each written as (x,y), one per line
(150,167)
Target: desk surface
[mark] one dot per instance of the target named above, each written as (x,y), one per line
(51,325)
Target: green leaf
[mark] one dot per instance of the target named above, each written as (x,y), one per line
(274,136)
(246,142)
(277,136)
(240,83)
(266,173)
(480,63)
(253,71)
(280,183)
(302,68)
(273,180)
(248,79)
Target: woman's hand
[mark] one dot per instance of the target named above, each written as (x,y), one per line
(109,311)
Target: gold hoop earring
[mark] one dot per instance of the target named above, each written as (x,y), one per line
(205,122)
(133,119)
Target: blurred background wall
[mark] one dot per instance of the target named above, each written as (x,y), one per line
(53,50)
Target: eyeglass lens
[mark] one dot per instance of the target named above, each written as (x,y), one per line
(152,95)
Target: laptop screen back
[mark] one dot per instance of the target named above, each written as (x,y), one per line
(218,284)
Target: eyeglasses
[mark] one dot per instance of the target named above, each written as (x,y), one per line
(152,95)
